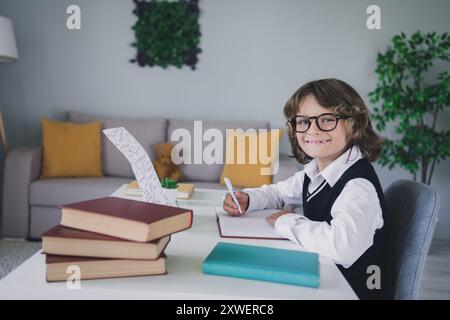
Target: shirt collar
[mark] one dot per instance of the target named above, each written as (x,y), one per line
(334,170)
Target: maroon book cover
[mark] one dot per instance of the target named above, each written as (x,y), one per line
(51,258)
(60,231)
(128,209)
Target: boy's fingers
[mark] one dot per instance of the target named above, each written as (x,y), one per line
(230,210)
(227,209)
(233,212)
(229,198)
(241,196)
(275,215)
(229,202)
(270,220)
(232,204)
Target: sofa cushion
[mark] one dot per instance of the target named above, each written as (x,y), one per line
(71,150)
(148,132)
(203,171)
(245,166)
(57,192)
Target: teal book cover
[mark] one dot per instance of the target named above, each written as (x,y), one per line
(263,263)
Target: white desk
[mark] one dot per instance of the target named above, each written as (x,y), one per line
(185,280)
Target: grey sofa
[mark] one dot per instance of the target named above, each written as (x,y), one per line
(31,205)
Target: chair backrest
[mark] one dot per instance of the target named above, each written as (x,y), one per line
(413,211)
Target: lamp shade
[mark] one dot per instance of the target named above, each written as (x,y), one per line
(8,48)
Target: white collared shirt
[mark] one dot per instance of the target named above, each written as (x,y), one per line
(356,212)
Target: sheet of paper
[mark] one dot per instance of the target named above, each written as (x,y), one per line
(250,225)
(143,169)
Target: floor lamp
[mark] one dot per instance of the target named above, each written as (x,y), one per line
(8,54)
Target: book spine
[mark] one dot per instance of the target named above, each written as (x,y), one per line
(248,272)
(192,220)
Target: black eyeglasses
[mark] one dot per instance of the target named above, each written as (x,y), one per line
(325,122)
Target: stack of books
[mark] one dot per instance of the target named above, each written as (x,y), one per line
(112,237)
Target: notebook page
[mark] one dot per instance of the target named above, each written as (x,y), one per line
(250,225)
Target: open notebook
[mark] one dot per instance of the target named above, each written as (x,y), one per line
(250,225)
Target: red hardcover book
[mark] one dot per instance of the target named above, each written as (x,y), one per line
(61,240)
(126,219)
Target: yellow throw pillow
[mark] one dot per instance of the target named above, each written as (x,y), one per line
(250,157)
(71,150)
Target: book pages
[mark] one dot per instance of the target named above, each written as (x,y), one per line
(251,224)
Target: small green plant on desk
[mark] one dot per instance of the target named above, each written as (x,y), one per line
(169,183)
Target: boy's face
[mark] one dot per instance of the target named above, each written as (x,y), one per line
(323,146)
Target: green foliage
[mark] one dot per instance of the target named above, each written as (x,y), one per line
(167,33)
(169,183)
(412,94)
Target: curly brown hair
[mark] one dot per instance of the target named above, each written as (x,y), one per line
(344,101)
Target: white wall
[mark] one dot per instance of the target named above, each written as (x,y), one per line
(256,53)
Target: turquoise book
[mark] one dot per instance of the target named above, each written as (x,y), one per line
(263,263)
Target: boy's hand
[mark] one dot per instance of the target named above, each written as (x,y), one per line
(230,207)
(274,216)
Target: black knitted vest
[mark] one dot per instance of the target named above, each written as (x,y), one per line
(318,208)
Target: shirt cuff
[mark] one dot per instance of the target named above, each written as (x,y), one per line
(253,201)
(285,224)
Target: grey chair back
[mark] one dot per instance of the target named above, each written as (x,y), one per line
(413,211)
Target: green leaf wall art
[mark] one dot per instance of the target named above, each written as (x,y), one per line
(167,33)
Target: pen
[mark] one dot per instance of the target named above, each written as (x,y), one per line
(230,190)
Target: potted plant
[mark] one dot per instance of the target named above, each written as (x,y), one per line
(412,90)
(170,188)
(169,183)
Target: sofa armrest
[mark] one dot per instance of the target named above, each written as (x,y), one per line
(22,166)
(287,168)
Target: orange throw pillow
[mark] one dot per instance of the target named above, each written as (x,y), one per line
(244,165)
(71,150)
